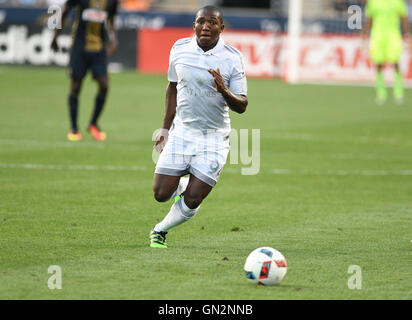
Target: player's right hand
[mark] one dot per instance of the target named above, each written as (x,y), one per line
(54,46)
(161,139)
(111,48)
(217,77)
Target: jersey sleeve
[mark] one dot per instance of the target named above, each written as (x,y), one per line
(238,82)
(171,73)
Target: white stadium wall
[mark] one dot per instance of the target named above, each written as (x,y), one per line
(321,58)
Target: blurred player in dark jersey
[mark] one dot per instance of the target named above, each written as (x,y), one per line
(93,39)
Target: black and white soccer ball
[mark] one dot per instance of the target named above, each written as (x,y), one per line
(265,266)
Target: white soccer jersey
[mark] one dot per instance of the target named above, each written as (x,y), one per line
(199,105)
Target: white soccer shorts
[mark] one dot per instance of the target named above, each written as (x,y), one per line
(197,153)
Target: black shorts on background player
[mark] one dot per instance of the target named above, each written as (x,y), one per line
(81,61)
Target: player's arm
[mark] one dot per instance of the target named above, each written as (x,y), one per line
(111,30)
(170,112)
(170,105)
(365,32)
(406,27)
(366,28)
(369,13)
(112,36)
(67,7)
(236,102)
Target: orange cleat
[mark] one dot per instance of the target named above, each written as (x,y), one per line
(74,136)
(96,133)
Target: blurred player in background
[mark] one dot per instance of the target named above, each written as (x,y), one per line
(383,19)
(93,40)
(206,78)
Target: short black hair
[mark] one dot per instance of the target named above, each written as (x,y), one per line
(211,9)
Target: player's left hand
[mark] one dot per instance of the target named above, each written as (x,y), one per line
(220,85)
(54,46)
(111,48)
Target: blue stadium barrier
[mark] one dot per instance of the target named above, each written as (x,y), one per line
(136,20)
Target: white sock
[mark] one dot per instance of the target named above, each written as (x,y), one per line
(183,182)
(179,213)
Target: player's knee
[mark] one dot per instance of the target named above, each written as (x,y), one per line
(160,194)
(75,92)
(103,86)
(103,90)
(75,89)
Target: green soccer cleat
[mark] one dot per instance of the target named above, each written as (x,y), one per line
(398,95)
(381,97)
(158,239)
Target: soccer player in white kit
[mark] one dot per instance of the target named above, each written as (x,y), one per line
(206,79)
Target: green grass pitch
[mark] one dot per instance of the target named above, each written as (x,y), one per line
(334,190)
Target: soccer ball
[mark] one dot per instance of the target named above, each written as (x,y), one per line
(266,266)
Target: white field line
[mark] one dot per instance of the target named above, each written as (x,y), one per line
(366,156)
(228,170)
(353,139)
(305,137)
(340,156)
(343,172)
(71,167)
(68,144)
(347,156)
(279,136)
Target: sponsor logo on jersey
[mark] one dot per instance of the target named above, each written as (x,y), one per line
(94,15)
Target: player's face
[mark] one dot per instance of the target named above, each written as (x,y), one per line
(208,26)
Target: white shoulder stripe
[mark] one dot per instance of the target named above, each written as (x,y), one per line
(182,42)
(233,49)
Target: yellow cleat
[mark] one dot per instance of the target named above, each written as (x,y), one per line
(74,136)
